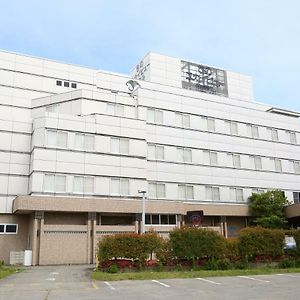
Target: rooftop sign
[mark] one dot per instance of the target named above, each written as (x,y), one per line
(203,79)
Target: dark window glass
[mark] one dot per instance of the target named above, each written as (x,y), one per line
(1,228)
(147,220)
(155,219)
(74,85)
(58,82)
(164,219)
(172,219)
(296,197)
(11,228)
(116,220)
(66,84)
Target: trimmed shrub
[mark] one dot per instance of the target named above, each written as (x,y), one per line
(218,264)
(261,242)
(113,269)
(296,235)
(164,253)
(196,243)
(128,246)
(232,249)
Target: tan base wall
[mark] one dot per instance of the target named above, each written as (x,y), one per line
(14,242)
(61,244)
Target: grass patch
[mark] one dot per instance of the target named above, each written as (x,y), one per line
(148,275)
(6,271)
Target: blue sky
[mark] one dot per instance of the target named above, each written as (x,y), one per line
(260,38)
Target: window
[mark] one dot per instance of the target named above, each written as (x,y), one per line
(209,124)
(57,138)
(273,134)
(185,191)
(73,85)
(84,141)
(157,190)
(119,145)
(232,127)
(115,109)
(184,154)
(236,194)
(256,162)
(155,151)
(54,183)
(296,196)
(253,131)
(59,82)
(53,108)
(211,157)
(154,116)
(257,191)
(119,186)
(291,137)
(8,228)
(160,219)
(296,165)
(235,160)
(83,185)
(66,84)
(276,164)
(212,193)
(182,120)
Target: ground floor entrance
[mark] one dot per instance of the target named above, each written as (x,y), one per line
(67,230)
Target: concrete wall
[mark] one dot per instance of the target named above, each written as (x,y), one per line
(14,242)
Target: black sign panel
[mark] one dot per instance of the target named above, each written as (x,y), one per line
(203,79)
(195,217)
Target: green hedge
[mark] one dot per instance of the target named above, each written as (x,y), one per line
(129,246)
(196,243)
(258,241)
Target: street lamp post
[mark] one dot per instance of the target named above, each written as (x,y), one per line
(143,210)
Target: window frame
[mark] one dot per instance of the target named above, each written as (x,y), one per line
(149,216)
(9,224)
(185,192)
(57,132)
(120,181)
(155,189)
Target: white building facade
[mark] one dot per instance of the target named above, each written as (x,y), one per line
(77,145)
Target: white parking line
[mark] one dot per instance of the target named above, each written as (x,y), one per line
(209,281)
(288,275)
(256,279)
(54,273)
(94,285)
(161,283)
(109,285)
(50,279)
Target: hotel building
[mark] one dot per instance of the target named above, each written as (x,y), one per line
(78,144)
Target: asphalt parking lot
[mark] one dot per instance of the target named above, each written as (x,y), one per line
(73,282)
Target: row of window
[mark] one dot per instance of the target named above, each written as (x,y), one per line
(58,183)
(211,158)
(231,127)
(120,187)
(154,219)
(66,84)
(57,138)
(8,228)
(83,184)
(183,120)
(186,192)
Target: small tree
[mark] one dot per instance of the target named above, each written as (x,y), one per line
(268,207)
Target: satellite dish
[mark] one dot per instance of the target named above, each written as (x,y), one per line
(132,85)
